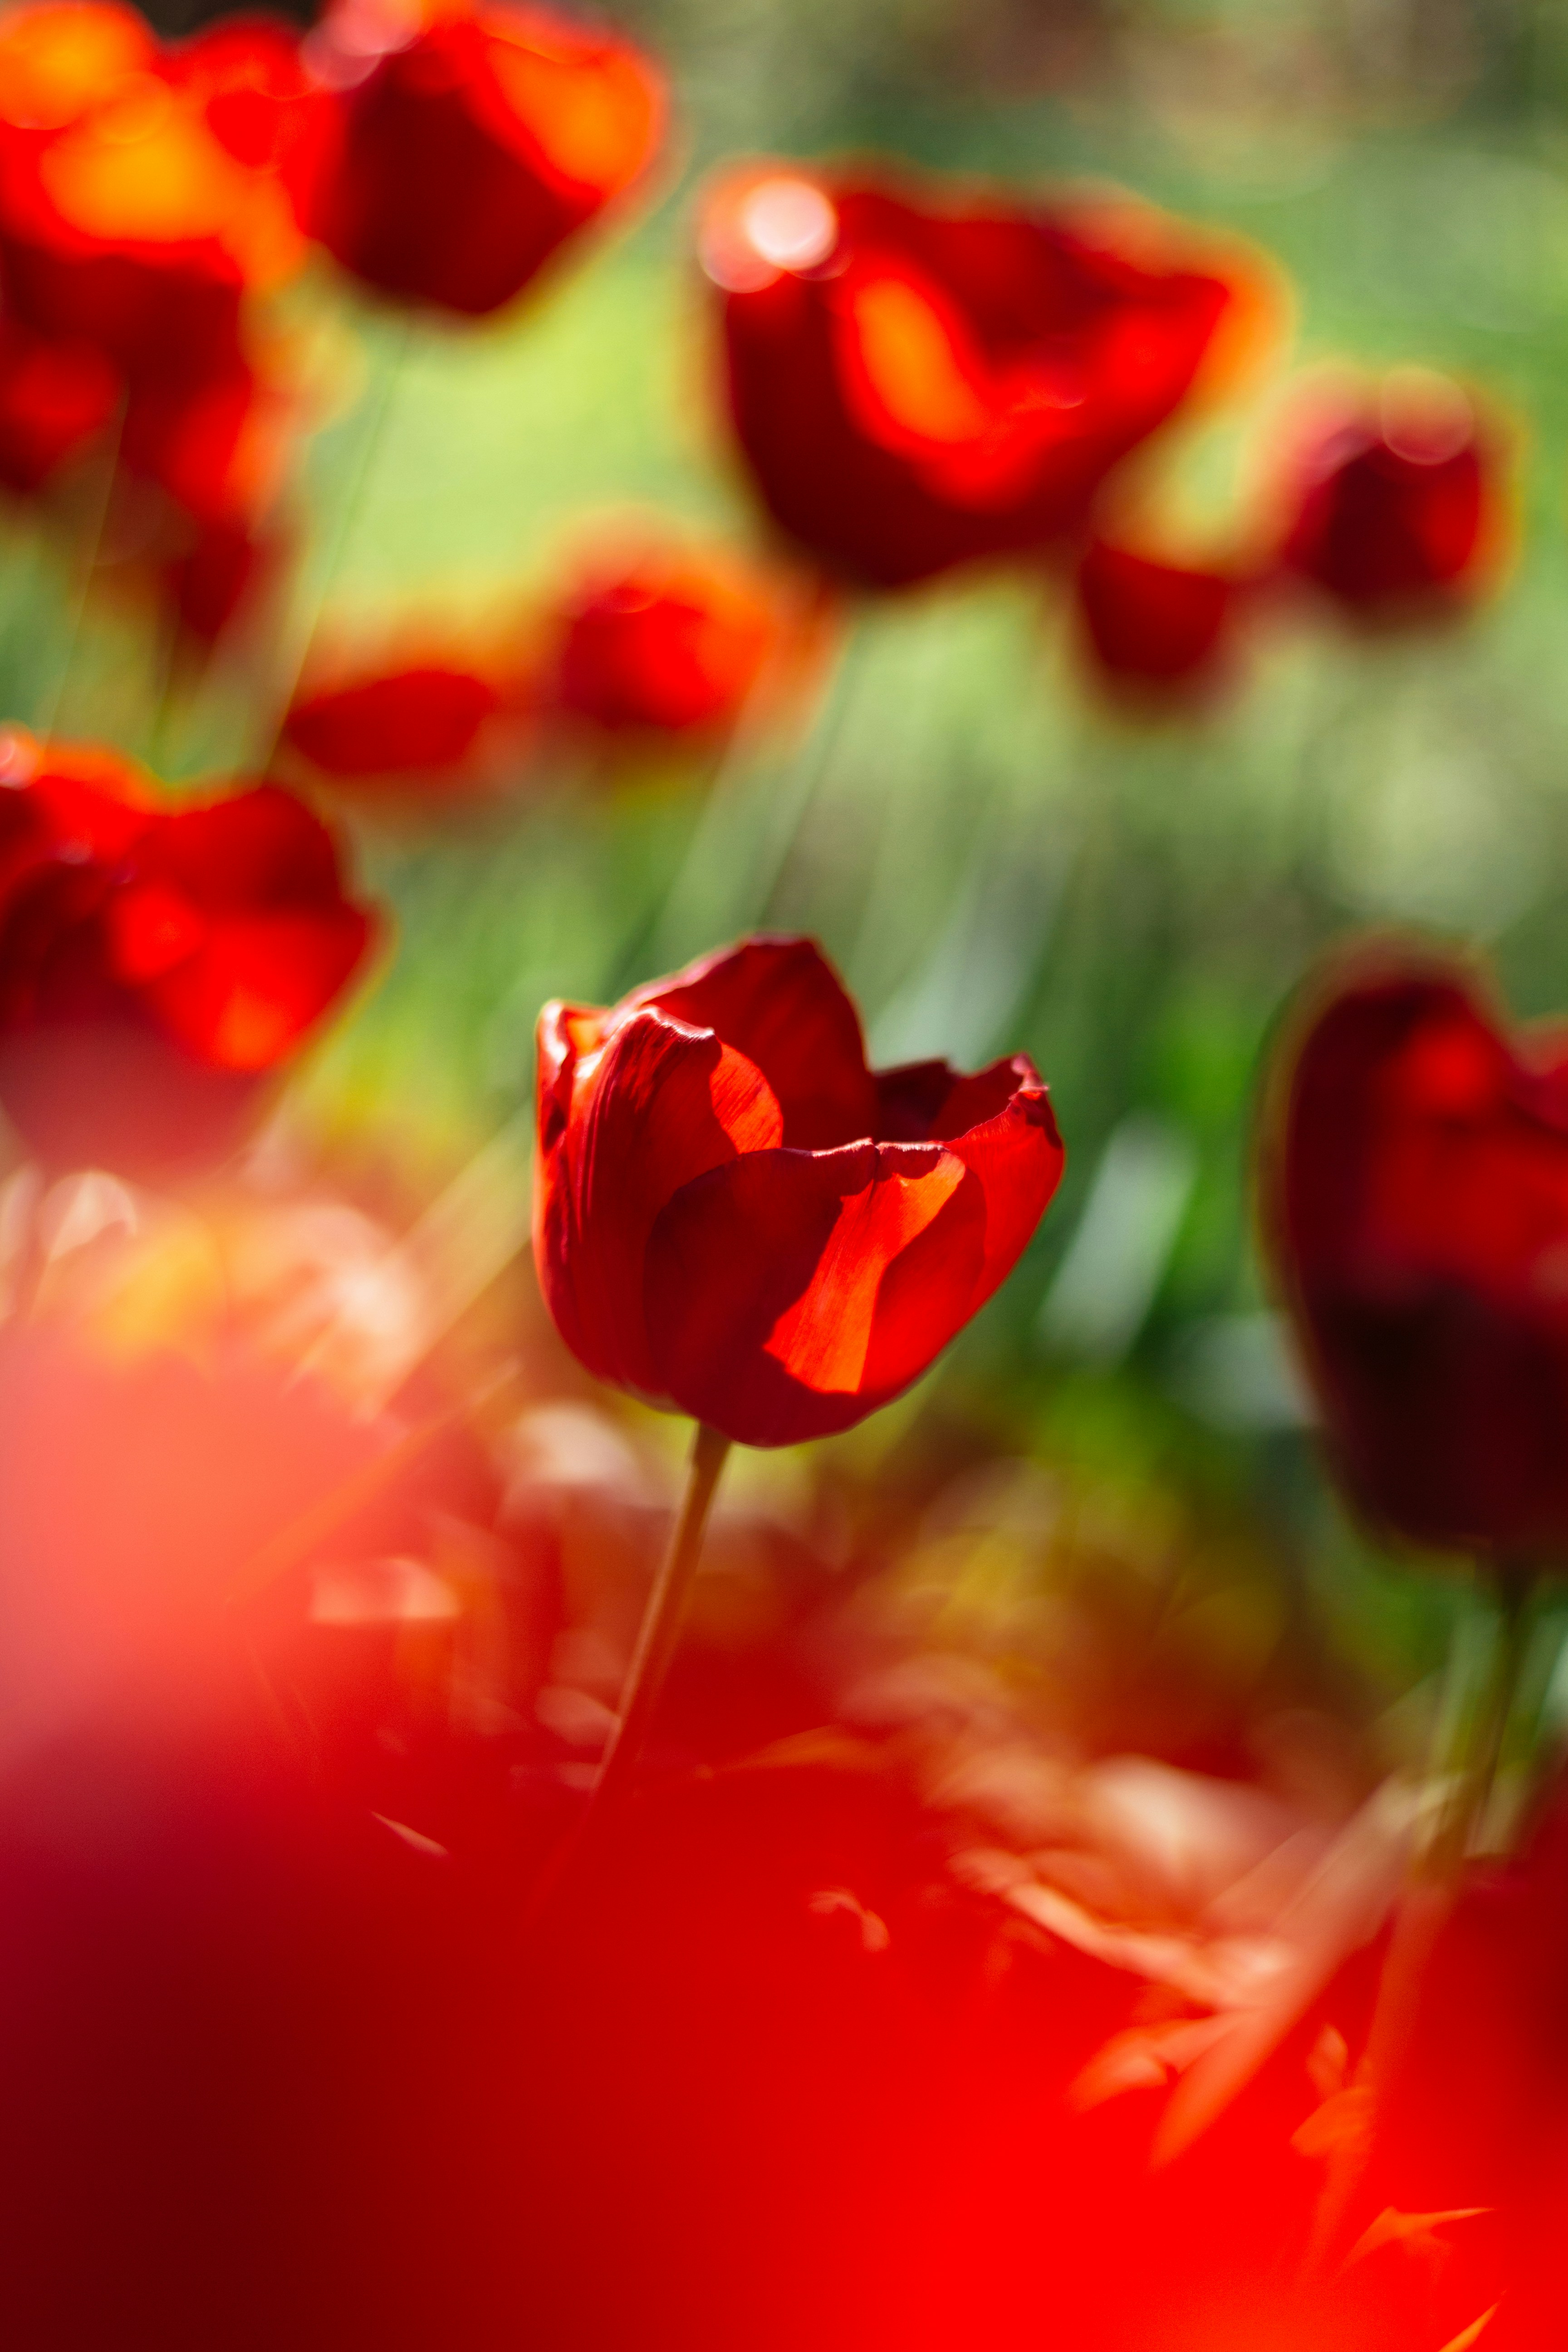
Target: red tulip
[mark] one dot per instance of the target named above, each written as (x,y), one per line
(467,154)
(1398,507)
(735,1215)
(421,717)
(666,640)
(129,223)
(1416,1205)
(918,379)
(1151,625)
(156,965)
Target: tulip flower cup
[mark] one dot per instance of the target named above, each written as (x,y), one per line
(735,1218)
(1414,1196)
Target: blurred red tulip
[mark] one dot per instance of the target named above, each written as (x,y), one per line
(212,581)
(1416,1207)
(472,145)
(1153,625)
(422,717)
(131,224)
(156,966)
(666,640)
(1398,507)
(918,378)
(55,399)
(733,1213)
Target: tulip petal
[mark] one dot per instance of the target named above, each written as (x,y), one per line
(1017,1156)
(654,1107)
(790,1292)
(257,983)
(780,1004)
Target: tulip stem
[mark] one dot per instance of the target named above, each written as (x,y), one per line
(1467,1780)
(660,1628)
(656,1643)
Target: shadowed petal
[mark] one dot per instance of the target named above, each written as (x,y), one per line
(788,1292)
(656,1106)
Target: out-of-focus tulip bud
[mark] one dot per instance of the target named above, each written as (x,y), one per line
(735,1215)
(667,640)
(409,713)
(157,965)
(918,377)
(470,145)
(1153,627)
(1416,1205)
(55,399)
(1396,507)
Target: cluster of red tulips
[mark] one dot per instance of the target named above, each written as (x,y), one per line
(399,1951)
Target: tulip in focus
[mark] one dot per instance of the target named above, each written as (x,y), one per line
(158,966)
(1415,1171)
(735,1216)
(920,377)
(1398,507)
(471,144)
(665,641)
(1153,627)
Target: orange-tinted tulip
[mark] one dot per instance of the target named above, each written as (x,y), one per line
(467,150)
(1151,625)
(129,223)
(918,377)
(157,966)
(732,1213)
(1416,1206)
(668,641)
(418,718)
(1397,505)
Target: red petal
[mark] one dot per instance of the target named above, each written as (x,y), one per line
(255,848)
(656,1106)
(789,1294)
(1017,1155)
(779,1003)
(248,995)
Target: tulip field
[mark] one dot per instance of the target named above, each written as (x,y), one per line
(783,1177)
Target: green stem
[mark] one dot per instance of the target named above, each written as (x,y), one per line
(1469,1767)
(660,1628)
(656,1638)
(1482,1731)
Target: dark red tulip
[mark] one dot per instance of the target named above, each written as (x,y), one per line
(667,640)
(422,717)
(157,966)
(55,400)
(212,579)
(1398,507)
(732,1213)
(1151,625)
(465,154)
(918,377)
(1416,1205)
